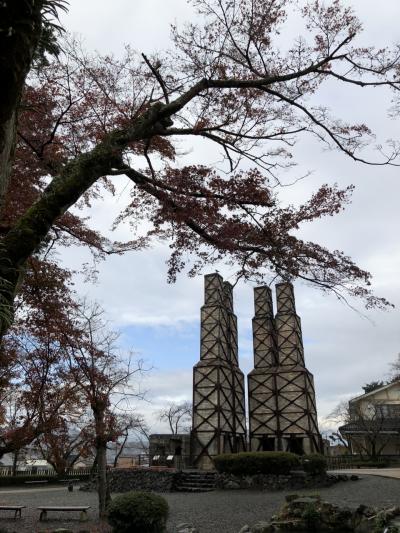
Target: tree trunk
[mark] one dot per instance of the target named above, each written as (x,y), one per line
(20,30)
(374,455)
(98,409)
(118,453)
(93,468)
(7,143)
(15,463)
(60,468)
(102,486)
(63,191)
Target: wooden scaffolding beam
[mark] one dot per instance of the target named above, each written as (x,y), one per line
(218,383)
(282,409)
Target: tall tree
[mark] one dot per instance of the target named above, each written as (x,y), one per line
(395,369)
(45,295)
(29,38)
(70,438)
(178,416)
(373,385)
(102,378)
(35,373)
(27,32)
(126,426)
(37,395)
(229,83)
(27,181)
(365,429)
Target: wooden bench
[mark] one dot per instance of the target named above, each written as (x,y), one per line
(16,508)
(36,481)
(83,510)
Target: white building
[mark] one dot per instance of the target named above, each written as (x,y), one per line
(373,428)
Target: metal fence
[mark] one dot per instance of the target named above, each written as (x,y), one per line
(339,462)
(7,471)
(342,462)
(143,459)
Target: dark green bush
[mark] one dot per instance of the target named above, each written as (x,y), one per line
(138,512)
(311,517)
(314,463)
(250,463)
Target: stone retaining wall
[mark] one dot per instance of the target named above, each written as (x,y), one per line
(294,480)
(125,480)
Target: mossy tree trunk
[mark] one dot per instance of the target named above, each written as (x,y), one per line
(65,189)
(20,31)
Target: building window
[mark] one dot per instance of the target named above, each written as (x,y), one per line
(388,411)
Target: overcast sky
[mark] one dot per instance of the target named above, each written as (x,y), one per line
(161,322)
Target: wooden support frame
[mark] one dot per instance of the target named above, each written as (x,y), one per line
(219,424)
(281,390)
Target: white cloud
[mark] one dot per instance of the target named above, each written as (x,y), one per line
(163,387)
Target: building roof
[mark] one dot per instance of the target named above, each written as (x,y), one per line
(372,393)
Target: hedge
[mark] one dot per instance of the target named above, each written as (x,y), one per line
(314,463)
(138,512)
(250,463)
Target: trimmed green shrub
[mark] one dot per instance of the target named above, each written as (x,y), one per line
(314,463)
(250,463)
(138,512)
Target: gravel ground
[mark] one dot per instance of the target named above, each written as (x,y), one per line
(211,512)
(34,497)
(228,511)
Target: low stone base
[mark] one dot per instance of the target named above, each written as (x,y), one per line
(126,479)
(271,482)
